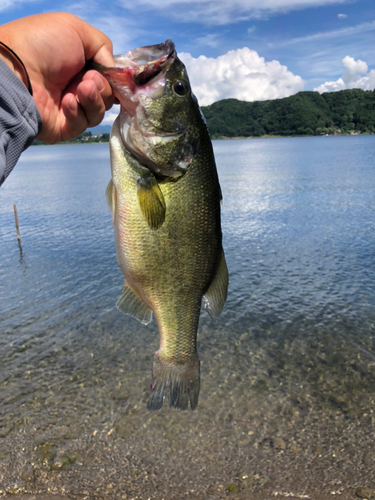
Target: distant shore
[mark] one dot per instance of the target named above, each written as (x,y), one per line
(225,138)
(215,138)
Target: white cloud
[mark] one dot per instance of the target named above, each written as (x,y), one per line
(342,16)
(241,74)
(356,76)
(211,40)
(10,4)
(354,68)
(333,34)
(223,11)
(7,4)
(251,30)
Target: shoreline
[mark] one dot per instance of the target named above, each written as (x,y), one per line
(219,138)
(224,138)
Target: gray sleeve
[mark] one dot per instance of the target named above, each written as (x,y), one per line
(20,121)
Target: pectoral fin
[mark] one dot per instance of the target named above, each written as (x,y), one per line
(151,201)
(130,304)
(110,194)
(216,295)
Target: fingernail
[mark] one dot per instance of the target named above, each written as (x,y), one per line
(93,94)
(99,82)
(73,103)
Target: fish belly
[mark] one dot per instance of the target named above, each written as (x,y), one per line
(168,269)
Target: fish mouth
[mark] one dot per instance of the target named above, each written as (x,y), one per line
(141,72)
(147,61)
(139,66)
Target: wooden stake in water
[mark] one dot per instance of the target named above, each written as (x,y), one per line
(17,227)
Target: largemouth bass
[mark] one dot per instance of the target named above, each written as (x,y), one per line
(165,200)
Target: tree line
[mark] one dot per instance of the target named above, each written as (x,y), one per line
(305,113)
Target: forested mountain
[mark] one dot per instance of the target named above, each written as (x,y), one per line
(305,113)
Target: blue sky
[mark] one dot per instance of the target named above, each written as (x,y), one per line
(248,49)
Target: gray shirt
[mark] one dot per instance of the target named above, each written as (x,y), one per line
(20,121)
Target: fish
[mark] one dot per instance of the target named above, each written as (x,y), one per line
(165,200)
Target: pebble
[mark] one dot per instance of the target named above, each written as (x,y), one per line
(244,476)
(123,430)
(295,449)
(47,453)
(279,444)
(27,474)
(363,492)
(60,462)
(232,488)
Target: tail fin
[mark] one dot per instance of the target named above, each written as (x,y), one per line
(180,382)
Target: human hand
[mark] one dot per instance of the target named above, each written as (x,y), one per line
(54,49)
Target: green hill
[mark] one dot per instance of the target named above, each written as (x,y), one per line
(305,113)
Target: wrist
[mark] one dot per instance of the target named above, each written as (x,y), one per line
(12,60)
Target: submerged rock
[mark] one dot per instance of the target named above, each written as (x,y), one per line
(363,492)
(232,488)
(279,444)
(27,474)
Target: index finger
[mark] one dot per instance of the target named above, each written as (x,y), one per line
(96,45)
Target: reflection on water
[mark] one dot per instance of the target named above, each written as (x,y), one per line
(288,370)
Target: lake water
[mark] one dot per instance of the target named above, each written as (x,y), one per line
(287,371)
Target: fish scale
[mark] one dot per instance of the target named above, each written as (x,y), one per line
(165,199)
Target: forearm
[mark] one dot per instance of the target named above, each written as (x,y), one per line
(20,120)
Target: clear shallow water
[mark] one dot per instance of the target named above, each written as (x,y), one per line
(288,370)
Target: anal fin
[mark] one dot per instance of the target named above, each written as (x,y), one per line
(130,304)
(216,295)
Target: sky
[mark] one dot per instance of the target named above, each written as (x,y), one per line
(245,49)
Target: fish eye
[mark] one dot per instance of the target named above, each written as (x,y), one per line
(181,88)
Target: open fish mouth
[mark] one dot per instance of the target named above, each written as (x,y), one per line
(147,62)
(139,66)
(138,79)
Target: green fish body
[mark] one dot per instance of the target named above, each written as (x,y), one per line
(165,200)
